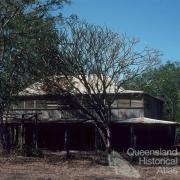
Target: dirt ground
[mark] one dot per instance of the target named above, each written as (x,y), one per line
(55,166)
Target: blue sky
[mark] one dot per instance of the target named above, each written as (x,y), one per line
(155,22)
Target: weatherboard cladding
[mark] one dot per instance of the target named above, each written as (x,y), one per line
(51,107)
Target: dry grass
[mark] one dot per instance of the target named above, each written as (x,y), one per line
(79,166)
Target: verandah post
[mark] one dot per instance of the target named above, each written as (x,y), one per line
(22,133)
(66,142)
(36,132)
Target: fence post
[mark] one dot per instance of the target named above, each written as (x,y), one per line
(22,133)
(36,132)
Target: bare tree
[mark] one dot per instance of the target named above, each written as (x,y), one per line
(101,61)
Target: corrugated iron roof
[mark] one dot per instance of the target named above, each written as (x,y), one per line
(39,88)
(145,120)
(34,89)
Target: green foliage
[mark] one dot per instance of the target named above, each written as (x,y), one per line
(162,82)
(28,43)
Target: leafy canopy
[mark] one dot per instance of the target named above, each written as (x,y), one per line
(28,42)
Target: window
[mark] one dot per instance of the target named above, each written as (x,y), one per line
(123,103)
(136,103)
(41,104)
(19,105)
(114,104)
(29,104)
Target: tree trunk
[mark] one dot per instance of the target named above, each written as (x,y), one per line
(108,131)
(1,139)
(108,140)
(1,133)
(108,147)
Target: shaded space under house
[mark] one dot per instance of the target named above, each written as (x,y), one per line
(36,119)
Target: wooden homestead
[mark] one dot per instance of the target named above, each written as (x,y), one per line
(35,119)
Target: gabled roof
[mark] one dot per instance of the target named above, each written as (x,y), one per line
(41,88)
(34,89)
